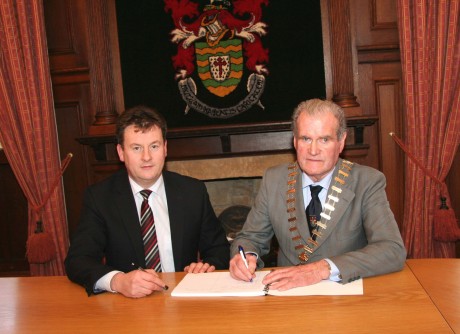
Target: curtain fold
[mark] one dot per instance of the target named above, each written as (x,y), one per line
(430,56)
(27,122)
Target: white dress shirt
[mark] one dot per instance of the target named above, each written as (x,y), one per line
(324,182)
(159,206)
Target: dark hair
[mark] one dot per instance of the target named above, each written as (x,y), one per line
(143,118)
(316,106)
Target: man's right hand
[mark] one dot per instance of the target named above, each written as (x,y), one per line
(137,283)
(238,269)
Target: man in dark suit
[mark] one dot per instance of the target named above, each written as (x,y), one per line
(110,246)
(353,233)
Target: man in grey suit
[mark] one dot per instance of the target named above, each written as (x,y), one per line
(110,245)
(354,233)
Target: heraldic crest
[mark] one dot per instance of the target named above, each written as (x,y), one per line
(217,44)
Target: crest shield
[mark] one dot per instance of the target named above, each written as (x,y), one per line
(220,67)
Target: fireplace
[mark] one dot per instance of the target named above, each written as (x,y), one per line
(232,185)
(230,181)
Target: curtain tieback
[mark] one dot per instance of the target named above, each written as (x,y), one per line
(40,245)
(445,224)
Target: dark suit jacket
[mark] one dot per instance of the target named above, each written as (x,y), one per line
(109,237)
(362,237)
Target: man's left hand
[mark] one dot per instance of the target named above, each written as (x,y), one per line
(200,267)
(293,277)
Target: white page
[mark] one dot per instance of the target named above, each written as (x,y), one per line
(221,284)
(218,284)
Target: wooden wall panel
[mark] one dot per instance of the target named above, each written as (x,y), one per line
(13,223)
(391,157)
(379,89)
(375,22)
(66,35)
(70,124)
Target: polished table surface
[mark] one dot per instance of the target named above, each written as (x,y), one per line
(441,280)
(395,303)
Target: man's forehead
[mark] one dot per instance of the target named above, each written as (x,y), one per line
(135,134)
(135,128)
(315,123)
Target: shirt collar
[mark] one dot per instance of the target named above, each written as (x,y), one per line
(154,188)
(324,182)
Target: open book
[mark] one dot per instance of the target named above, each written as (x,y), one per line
(221,284)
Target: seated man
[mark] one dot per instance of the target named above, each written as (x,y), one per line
(328,214)
(144,218)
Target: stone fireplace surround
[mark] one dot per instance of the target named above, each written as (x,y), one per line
(230,181)
(232,185)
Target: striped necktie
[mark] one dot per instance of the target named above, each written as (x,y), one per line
(149,235)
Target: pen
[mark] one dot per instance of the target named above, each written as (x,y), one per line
(142,269)
(243,257)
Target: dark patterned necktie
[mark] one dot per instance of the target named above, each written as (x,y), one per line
(149,235)
(314,208)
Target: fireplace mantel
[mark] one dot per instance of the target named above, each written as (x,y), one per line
(230,141)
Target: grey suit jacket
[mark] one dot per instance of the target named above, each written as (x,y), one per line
(362,237)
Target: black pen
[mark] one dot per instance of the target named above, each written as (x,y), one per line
(142,269)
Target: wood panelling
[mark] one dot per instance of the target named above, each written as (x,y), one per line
(379,90)
(13,222)
(66,35)
(375,22)
(68,43)
(383,14)
(391,157)
(232,140)
(70,124)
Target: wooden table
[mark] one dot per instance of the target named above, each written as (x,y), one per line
(393,303)
(441,280)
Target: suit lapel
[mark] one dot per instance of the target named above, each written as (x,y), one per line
(302,224)
(174,198)
(126,206)
(345,199)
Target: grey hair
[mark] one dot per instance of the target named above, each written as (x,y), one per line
(316,106)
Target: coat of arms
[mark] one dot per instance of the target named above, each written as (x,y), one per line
(219,42)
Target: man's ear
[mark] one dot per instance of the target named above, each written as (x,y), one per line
(120,152)
(342,141)
(294,141)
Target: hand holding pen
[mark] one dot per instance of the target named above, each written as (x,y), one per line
(137,283)
(243,267)
(164,287)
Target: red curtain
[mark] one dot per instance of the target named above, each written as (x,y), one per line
(430,55)
(27,122)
